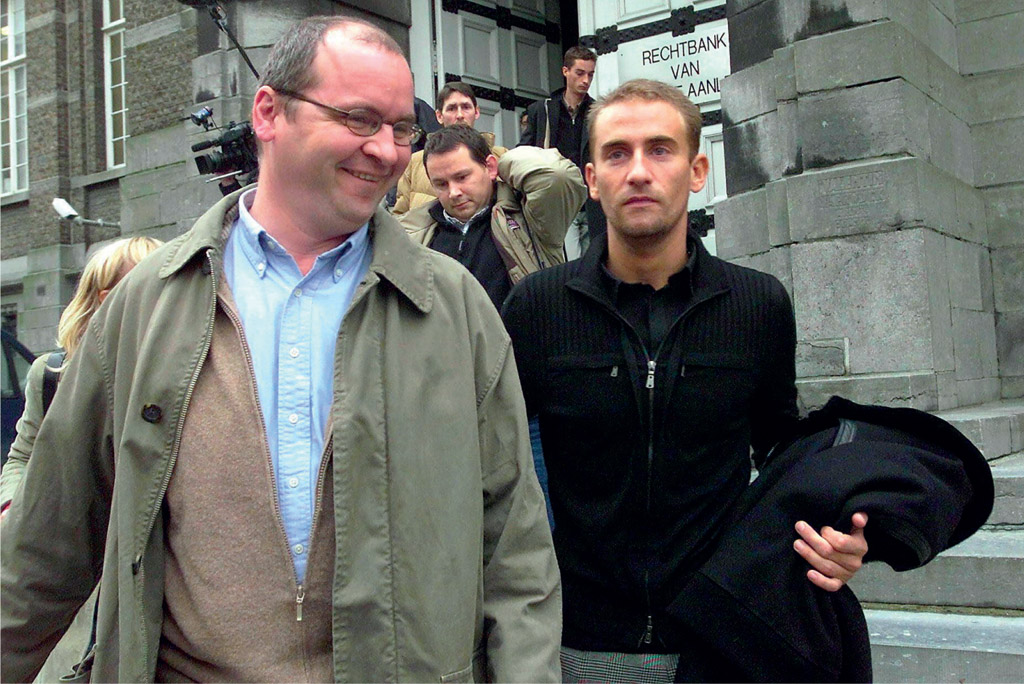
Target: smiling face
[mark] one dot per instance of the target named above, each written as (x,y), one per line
(458,109)
(643,170)
(463,185)
(317,176)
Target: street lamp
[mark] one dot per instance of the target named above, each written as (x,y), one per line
(68,212)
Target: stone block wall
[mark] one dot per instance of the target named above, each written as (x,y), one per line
(992,60)
(870,173)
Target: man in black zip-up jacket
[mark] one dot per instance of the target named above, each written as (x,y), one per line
(656,370)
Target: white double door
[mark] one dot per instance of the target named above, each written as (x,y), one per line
(500,47)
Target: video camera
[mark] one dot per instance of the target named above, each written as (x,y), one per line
(233,150)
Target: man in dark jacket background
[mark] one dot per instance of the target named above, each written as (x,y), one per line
(654,369)
(561,121)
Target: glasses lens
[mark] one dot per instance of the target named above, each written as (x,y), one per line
(363,122)
(406,133)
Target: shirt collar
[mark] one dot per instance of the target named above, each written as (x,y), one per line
(680,282)
(260,248)
(464,225)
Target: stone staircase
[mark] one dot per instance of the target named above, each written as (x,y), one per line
(961,617)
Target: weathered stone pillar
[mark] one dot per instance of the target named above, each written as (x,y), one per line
(856,173)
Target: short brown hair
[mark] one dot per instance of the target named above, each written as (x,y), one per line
(289,66)
(578,52)
(449,138)
(454,87)
(651,91)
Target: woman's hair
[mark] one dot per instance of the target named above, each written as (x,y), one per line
(103,271)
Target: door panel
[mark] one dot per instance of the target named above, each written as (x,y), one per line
(477,50)
(503,49)
(531,64)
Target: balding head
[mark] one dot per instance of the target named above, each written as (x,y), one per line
(289,66)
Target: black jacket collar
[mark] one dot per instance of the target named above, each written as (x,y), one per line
(709,275)
(559,96)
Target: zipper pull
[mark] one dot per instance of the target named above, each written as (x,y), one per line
(300,596)
(615,371)
(651,365)
(649,634)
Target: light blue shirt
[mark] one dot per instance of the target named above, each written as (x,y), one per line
(291,323)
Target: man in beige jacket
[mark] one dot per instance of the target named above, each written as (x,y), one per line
(292,440)
(456,105)
(500,219)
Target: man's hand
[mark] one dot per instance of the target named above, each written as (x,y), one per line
(835,557)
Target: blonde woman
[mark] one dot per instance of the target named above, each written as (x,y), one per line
(103,271)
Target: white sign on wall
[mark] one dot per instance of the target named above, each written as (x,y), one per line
(695,62)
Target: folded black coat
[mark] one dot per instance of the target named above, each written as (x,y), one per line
(750,611)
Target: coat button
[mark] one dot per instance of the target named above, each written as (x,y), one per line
(151,413)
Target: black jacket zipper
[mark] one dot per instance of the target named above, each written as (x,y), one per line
(647,636)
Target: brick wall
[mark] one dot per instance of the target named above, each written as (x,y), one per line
(34,224)
(160,73)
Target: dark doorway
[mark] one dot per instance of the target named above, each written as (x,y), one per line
(570,28)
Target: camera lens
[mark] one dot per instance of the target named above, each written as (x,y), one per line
(209,163)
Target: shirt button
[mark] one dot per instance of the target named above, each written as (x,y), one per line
(260,267)
(298,292)
(298,548)
(293,482)
(293,352)
(293,419)
(339,272)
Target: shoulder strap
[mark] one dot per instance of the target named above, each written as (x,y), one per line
(51,376)
(547,124)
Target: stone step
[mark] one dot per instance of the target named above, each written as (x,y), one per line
(932,647)
(1008,473)
(985,571)
(997,428)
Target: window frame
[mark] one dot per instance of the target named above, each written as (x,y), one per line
(13,98)
(114,30)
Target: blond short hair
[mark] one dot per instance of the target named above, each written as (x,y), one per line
(102,272)
(647,90)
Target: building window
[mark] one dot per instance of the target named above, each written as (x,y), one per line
(13,117)
(115,81)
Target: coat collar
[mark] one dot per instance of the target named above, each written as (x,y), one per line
(207,234)
(709,276)
(585,103)
(396,258)
(403,263)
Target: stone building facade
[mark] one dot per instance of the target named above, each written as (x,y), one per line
(874,164)
(872,153)
(175,61)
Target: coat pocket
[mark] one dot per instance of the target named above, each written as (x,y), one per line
(587,387)
(463,675)
(721,385)
(82,672)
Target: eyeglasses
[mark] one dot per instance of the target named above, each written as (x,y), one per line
(363,122)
